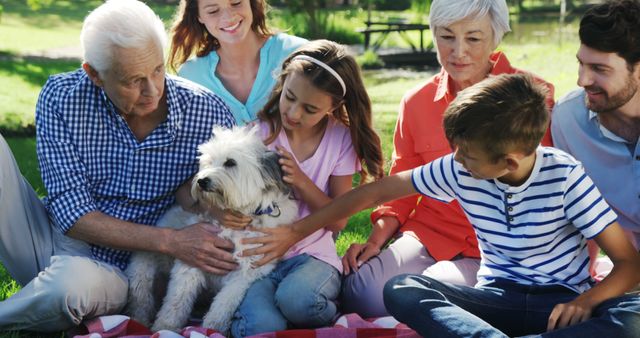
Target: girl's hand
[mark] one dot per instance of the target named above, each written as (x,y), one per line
(275,243)
(230,219)
(357,254)
(292,172)
(567,314)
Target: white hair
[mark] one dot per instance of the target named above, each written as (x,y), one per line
(446,12)
(119,23)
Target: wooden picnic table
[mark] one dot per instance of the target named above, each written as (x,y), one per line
(384,28)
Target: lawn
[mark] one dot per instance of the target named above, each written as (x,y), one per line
(550,55)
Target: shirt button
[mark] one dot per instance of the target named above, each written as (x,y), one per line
(510,219)
(510,209)
(637,157)
(509,196)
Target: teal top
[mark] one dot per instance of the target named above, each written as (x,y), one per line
(202,71)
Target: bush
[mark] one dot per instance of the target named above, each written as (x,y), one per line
(369,60)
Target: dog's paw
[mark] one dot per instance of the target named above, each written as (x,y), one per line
(219,324)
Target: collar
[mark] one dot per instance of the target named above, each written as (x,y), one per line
(272,210)
(500,66)
(593,117)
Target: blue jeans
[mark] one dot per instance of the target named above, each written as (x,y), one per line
(501,309)
(300,292)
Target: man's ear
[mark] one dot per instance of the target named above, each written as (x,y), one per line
(93,74)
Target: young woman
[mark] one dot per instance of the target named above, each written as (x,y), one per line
(236,53)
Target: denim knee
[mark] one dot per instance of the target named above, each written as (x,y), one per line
(393,295)
(313,310)
(626,316)
(403,294)
(311,304)
(261,321)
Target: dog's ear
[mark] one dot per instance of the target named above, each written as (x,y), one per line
(272,172)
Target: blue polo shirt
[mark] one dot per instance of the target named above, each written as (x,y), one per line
(612,162)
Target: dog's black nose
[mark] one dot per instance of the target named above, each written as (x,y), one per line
(204,183)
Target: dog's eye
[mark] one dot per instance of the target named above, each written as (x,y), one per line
(229,163)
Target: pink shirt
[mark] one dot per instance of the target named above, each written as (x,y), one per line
(335,156)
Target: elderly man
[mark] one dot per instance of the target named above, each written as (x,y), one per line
(115,141)
(599,123)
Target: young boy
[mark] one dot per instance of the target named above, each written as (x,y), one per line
(533,209)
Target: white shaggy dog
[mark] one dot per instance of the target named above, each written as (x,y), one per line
(238,173)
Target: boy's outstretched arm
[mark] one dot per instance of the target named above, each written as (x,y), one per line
(277,241)
(624,276)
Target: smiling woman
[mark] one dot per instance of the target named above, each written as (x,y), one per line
(225,36)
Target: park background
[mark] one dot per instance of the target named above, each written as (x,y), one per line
(39,38)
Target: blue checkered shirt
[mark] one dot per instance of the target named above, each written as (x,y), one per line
(91,161)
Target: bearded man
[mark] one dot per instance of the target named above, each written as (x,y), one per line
(599,124)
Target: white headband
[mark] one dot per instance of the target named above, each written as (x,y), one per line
(325,66)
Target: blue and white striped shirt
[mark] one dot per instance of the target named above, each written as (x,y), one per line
(91,161)
(531,234)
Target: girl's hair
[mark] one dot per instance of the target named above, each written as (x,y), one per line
(189,36)
(119,23)
(353,109)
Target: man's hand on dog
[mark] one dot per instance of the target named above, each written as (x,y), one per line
(199,246)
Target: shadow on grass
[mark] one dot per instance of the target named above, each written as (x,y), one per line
(35,70)
(32,70)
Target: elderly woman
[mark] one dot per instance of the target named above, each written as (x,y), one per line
(236,53)
(433,238)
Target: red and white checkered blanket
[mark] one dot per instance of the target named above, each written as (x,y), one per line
(347,326)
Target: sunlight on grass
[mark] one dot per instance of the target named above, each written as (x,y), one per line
(7,285)
(20,36)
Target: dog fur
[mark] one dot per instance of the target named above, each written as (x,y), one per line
(236,172)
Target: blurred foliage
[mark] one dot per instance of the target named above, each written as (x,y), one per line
(369,60)
(37,4)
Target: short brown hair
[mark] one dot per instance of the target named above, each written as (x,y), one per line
(501,113)
(189,36)
(613,27)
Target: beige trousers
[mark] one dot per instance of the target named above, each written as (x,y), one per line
(62,285)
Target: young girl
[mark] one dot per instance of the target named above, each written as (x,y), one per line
(319,119)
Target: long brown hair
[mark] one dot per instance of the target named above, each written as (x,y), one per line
(189,36)
(353,109)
